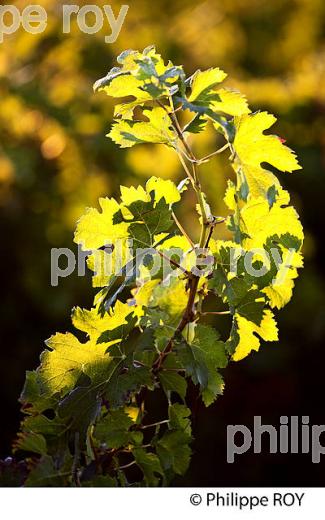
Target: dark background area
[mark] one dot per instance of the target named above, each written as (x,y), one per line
(55,161)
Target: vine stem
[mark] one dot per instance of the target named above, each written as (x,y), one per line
(146,426)
(207,157)
(215,313)
(127,465)
(175,264)
(194,178)
(182,230)
(187,317)
(206,226)
(75,469)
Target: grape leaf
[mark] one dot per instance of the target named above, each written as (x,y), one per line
(95,229)
(230,102)
(150,465)
(201,359)
(253,147)
(173,382)
(202,85)
(179,417)
(91,322)
(100,481)
(46,474)
(156,130)
(144,76)
(113,428)
(67,359)
(80,409)
(244,338)
(174,452)
(31,441)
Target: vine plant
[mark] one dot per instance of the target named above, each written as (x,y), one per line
(88,420)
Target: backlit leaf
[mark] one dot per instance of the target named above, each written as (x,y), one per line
(203,83)
(156,130)
(247,330)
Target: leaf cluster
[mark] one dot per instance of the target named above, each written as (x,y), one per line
(86,417)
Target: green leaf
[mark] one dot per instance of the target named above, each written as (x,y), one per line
(196,125)
(232,290)
(113,429)
(43,435)
(237,292)
(173,382)
(251,306)
(201,359)
(30,441)
(121,331)
(122,384)
(150,465)
(146,220)
(100,481)
(32,398)
(45,474)
(174,452)
(40,424)
(179,417)
(80,409)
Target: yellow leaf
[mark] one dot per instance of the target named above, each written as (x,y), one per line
(229,197)
(205,81)
(258,221)
(131,61)
(156,130)
(96,229)
(132,412)
(164,189)
(68,359)
(123,86)
(106,264)
(91,322)
(280,294)
(246,330)
(231,102)
(175,242)
(132,194)
(280,291)
(258,179)
(253,147)
(171,297)
(143,294)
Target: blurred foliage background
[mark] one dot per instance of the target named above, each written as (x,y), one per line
(55,161)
